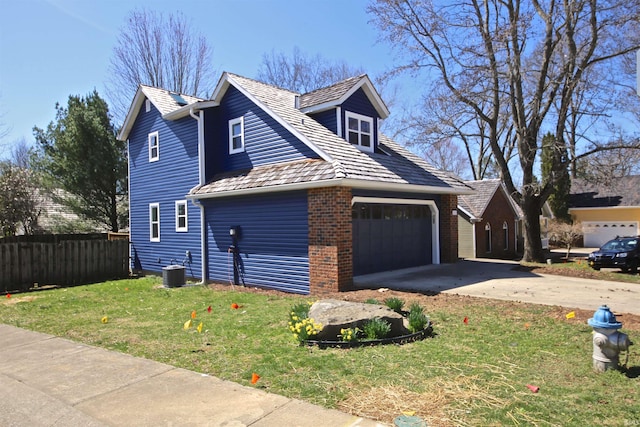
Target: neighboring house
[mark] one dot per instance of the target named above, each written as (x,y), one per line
(488,222)
(302,188)
(606,210)
(57,218)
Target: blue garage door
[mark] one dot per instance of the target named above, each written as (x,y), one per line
(390,237)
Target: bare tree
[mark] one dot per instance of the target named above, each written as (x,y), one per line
(513,63)
(564,234)
(302,73)
(446,155)
(19,201)
(159,52)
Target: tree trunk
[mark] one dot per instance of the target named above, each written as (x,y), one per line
(533,251)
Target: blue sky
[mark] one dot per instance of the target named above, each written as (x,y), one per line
(50,49)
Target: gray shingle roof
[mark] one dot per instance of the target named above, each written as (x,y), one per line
(477,203)
(623,191)
(328,94)
(309,170)
(163,101)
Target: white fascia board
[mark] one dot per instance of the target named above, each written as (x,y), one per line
(469,214)
(130,119)
(338,182)
(410,188)
(280,120)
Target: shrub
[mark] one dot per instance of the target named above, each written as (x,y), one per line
(394,304)
(372,301)
(376,328)
(418,321)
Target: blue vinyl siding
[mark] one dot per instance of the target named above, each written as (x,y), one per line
(164,182)
(359,103)
(273,240)
(266,141)
(328,119)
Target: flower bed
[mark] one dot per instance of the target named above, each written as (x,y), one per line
(374,331)
(403,339)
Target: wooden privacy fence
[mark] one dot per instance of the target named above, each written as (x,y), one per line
(27,265)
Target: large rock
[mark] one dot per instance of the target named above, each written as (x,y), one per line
(335,315)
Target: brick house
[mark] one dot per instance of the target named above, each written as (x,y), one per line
(295,192)
(488,222)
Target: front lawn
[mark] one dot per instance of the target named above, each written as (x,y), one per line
(471,373)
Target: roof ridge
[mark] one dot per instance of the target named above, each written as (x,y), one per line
(339,82)
(262,83)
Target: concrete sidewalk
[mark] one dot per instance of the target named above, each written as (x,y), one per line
(50,381)
(504,280)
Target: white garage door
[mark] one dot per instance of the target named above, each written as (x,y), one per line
(598,233)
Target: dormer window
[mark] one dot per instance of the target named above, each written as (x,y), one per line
(359,131)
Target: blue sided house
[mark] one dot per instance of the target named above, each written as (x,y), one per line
(266,187)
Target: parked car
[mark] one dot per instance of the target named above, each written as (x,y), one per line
(621,252)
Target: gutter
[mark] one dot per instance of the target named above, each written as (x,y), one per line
(335,182)
(203,258)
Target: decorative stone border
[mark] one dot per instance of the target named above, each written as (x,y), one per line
(402,339)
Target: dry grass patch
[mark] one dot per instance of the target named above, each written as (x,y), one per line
(444,404)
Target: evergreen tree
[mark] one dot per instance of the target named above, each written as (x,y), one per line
(80,154)
(555,172)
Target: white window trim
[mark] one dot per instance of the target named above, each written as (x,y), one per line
(186,217)
(153,206)
(147,106)
(233,122)
(157,138)
(360,117)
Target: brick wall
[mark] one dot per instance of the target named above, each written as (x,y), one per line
(498,212)
(330,241)
(448,229)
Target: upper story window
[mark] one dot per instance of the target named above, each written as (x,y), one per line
(154,147)
(360,130)
(147,106)
(182,223)
(154,222)
(236,135)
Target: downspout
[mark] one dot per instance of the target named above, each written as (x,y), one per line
(203,256)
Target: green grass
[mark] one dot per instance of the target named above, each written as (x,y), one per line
(469,374)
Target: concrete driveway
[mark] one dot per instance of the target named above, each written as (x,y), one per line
(499,279)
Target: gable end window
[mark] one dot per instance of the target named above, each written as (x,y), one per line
(236,135)
(182,223)
(359,130)
(154,147)
(154,222)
